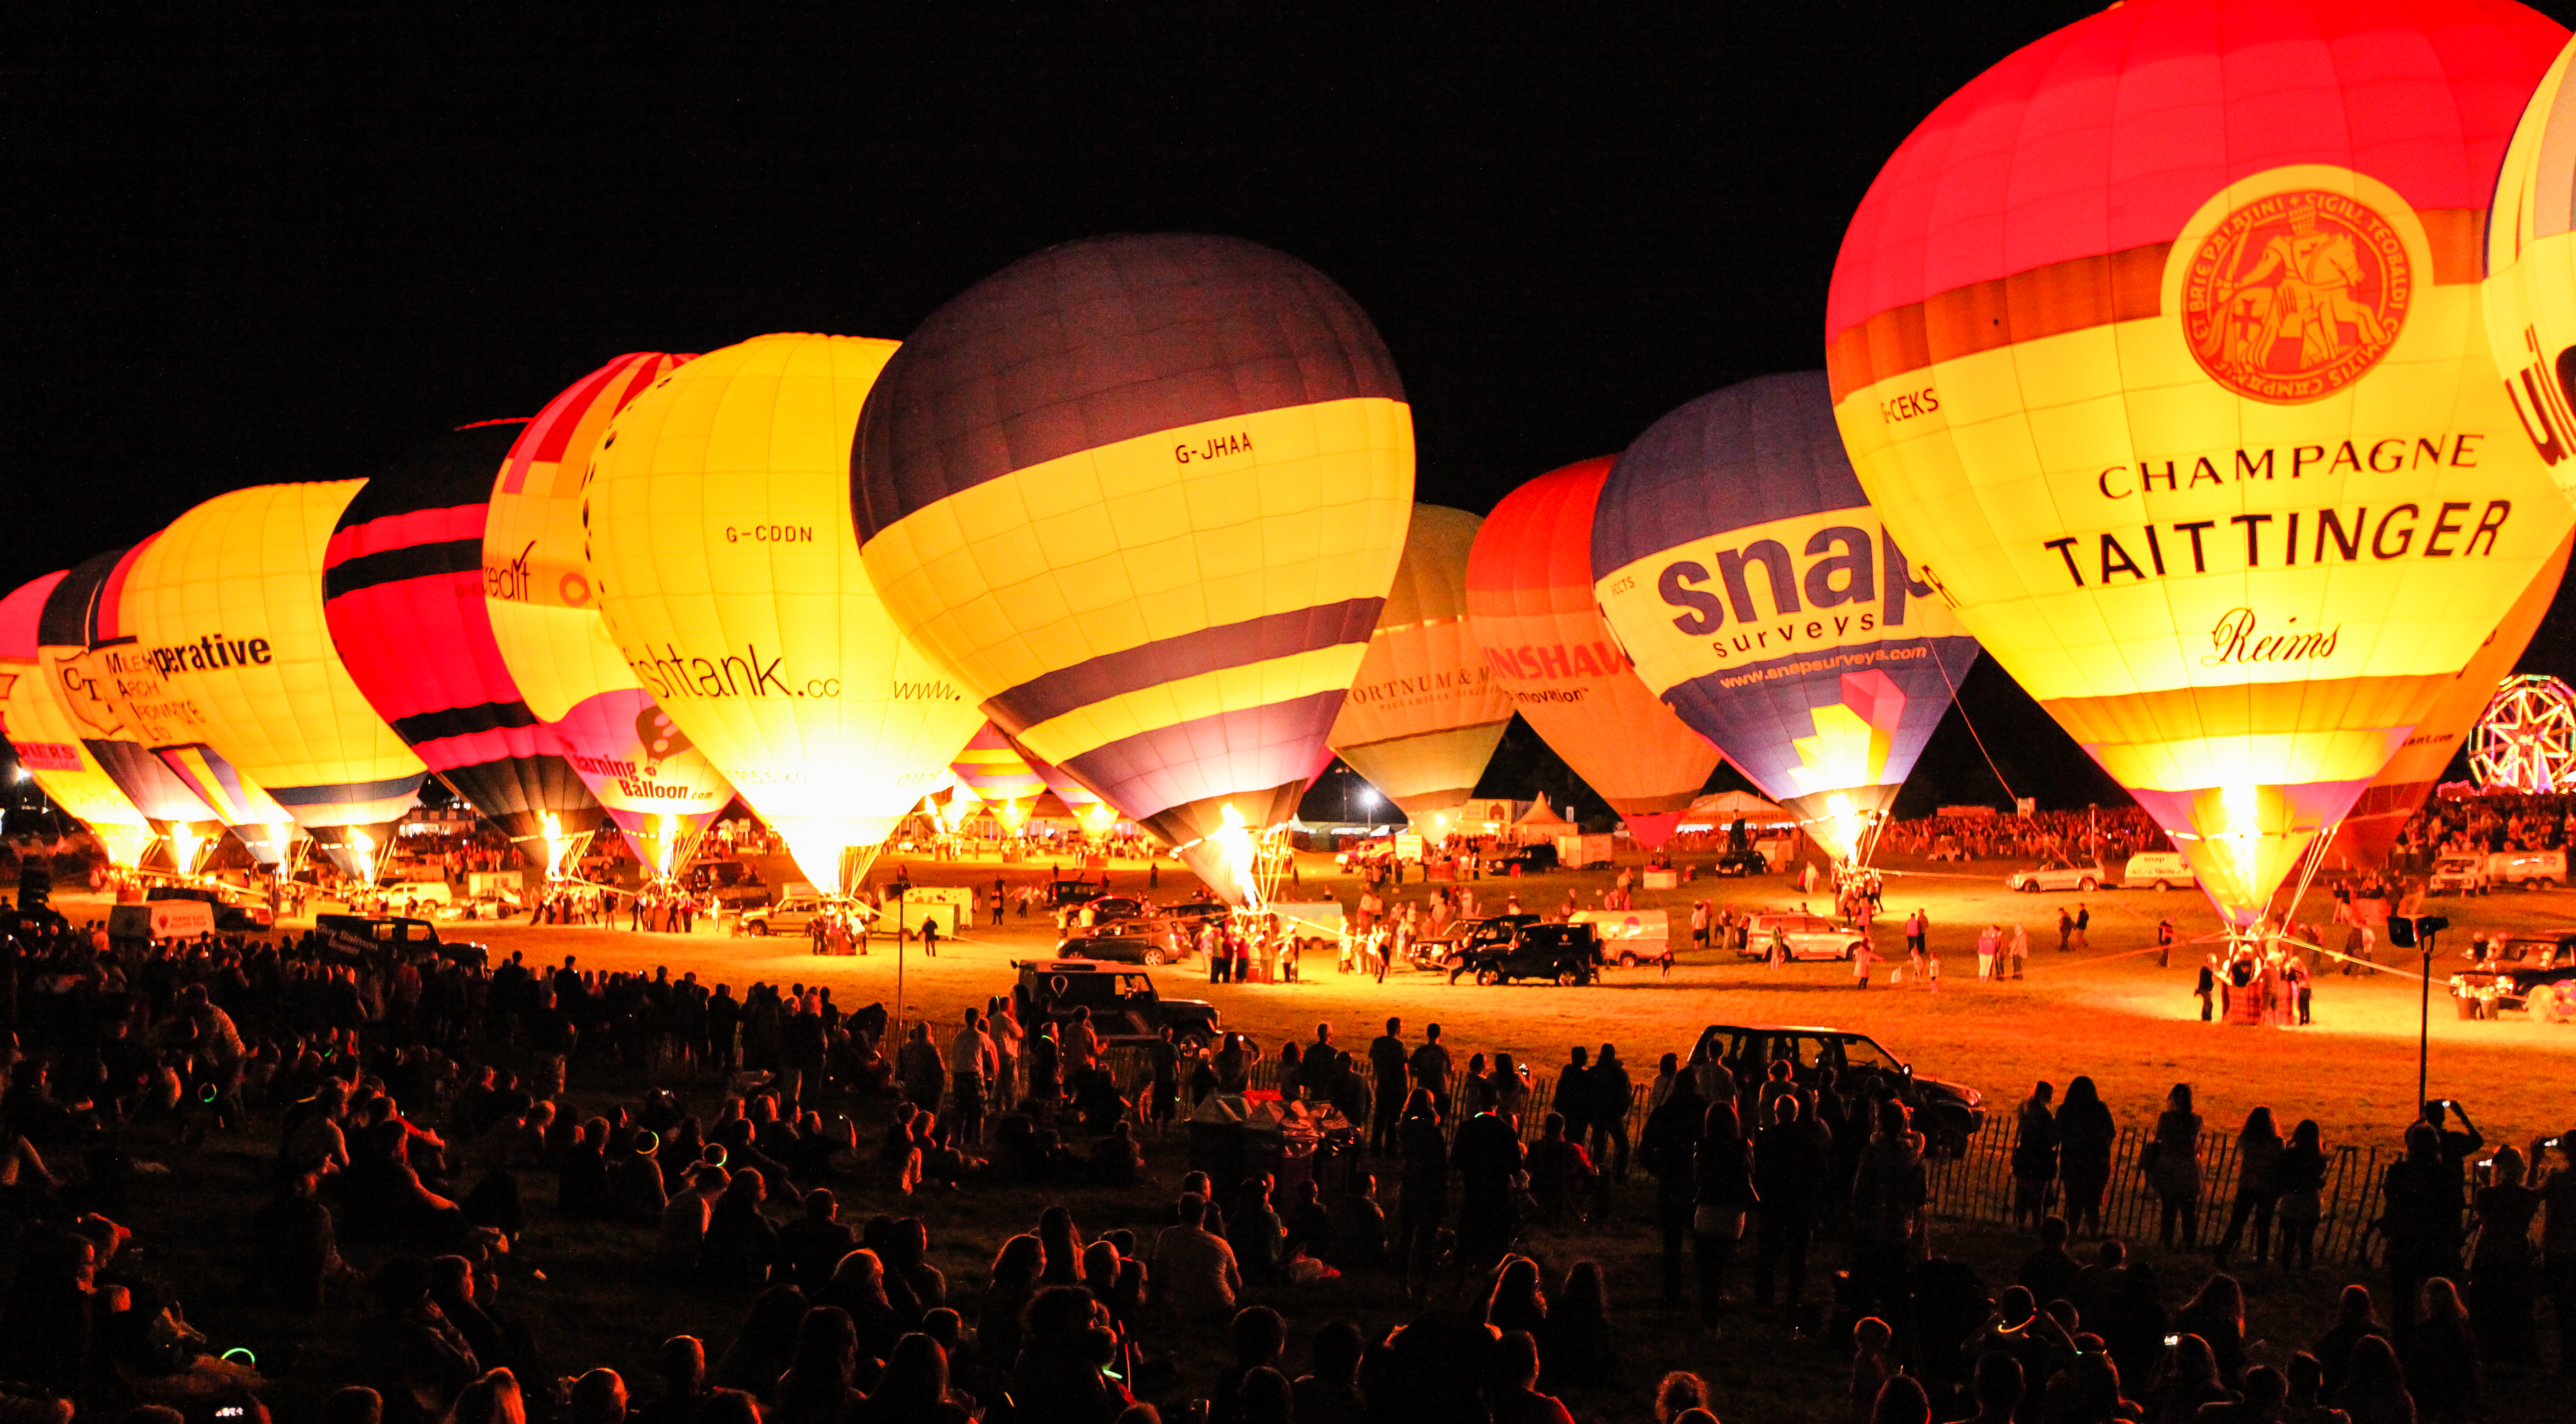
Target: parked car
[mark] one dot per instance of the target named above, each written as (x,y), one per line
(1810,936)
(1060,893)
(1120,946)
(1947,1113)
(1746,862)
(1194,913)
(794,915)
(2516,972)
(1532,859)
(2464,873)
(2058,873)
(2158,870)
(1561,954)
(1124,1005)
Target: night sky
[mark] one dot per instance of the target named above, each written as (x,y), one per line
(245,253)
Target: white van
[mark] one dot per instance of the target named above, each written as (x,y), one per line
(161,919)
(2158,870)
(1629,937)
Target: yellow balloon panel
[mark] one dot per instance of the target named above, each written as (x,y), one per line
(226,606)
(723,559)
(1425,712)
(535,581)
(2240,599)
(49,746)
(2530,293)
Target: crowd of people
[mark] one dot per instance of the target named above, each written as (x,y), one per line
(424,1120)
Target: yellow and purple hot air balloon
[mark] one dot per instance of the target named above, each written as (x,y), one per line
(402,592)
(1144,497)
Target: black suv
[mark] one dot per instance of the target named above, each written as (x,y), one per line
(1124,1007)
(1563,954)
(1465,937)
(2514,971)
(1532,859)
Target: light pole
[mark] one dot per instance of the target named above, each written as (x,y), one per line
(2418,932)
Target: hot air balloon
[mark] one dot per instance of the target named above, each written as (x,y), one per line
(84,682)
(653,782)
(1741,566)
(226,605)
(402,592)
(721,554)
(2158,347)
(1144,496)
(2371,827)
(2530,293)
(1532,610)
(48,742)
(992,770)
(1424,714)
(136,690)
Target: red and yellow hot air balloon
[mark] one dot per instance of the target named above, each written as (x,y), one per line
(1532,611)
(657,787)
(1425,714)
(2530,293)
(2159,348)
(1144,496)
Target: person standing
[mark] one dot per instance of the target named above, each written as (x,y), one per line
(2034,1157)
(1669,1148)
(1862,956)
(2558,1248)
(1387,1063)
(972,1063)
(2207,988)
(2258,1185)
(1430,1067)
(2020,949)
(2164,942)
(2065,930)
(1918,927)
(2174,1169)
(2083,926)
(1987,943)
(1424,1192)
(1612,1094)
(1699,924)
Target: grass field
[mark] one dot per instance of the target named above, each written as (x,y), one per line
(2111,1013)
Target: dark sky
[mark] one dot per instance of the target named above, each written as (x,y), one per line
(241,252)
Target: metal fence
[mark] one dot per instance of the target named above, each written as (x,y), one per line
(1977,1185)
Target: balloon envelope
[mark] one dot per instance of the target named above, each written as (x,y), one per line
(1424,713)
(994,770)
(1740,564)
(1144,496)
(226,604)
(2158,347)
(1532,609)
(85,682)
(402,586)
(721,553)
(653,782)
(2398,792)
(2530,291)
(48,742)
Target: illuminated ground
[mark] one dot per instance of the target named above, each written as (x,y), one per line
(2110,1013)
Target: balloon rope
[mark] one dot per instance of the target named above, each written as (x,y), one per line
(1971,724)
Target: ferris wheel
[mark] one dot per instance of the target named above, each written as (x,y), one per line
(2526,739)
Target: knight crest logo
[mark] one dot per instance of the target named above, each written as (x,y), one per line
(2295,295)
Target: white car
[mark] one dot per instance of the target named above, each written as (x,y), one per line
(2466,874)
(2055,875)
(1810,936)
